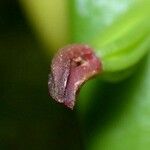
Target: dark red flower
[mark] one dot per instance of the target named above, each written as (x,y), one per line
(70,68)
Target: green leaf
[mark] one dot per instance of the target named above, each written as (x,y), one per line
(127,40)
(121,114)
(50,20)
(117,30)
(116,116)
(89,18)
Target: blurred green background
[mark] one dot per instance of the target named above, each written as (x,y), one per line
(29,119)
(107,116)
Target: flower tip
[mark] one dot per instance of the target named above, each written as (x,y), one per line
(70,68)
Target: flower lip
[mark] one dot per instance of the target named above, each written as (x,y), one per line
(70,68)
